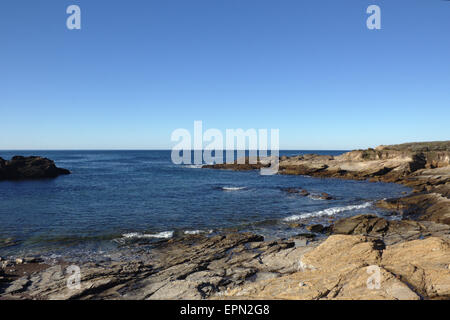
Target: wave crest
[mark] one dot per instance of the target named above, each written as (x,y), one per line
(327,212)
(232,188)
(138,235)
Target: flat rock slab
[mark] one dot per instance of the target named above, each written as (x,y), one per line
(193,267)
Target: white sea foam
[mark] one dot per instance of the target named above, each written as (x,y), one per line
(193,231)
(328,211)
(194,166)
(138,235)
(232,188)
(315,197)
(197,231)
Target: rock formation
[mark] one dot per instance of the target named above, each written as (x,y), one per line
(19,168)
(389,231)
(192,267)
(356,267)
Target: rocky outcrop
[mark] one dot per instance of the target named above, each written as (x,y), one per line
(19,168)
(323,196)
(306,193)
(389,231)
(378,165)
(241,164)
(192,267)
(431,200)
(424,207)
(242,265)
(356,267)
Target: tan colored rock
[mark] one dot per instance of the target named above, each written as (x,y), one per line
(421,263)
(345,252)
(353,267)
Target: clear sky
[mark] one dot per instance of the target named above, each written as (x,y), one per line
(139,69)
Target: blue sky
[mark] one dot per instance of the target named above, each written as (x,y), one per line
(139,69)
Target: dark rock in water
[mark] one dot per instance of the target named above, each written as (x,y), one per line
(325,196)
(296,225)
(290,190)
(299,191)
(318,228)
(19,168)
(322,196)
(304,193)
(8,242)
(304,236)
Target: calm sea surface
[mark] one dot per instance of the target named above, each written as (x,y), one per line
(115,198)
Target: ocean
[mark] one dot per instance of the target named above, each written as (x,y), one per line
(115,199)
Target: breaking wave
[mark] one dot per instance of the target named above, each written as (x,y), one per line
(137,235)
(232,188)
(327,212)
(194,166)
(197,231)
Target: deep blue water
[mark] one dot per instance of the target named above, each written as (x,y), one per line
(115,197)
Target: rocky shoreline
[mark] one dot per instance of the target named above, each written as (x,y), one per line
(411,255)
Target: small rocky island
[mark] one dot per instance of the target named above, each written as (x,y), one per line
(22,168)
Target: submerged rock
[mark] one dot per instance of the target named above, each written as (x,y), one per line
(298,191)
(19,168)
(317,228)
(322,196)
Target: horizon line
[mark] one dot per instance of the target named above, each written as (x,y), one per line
(289,149)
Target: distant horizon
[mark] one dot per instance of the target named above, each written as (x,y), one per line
(165,149)
(5,150)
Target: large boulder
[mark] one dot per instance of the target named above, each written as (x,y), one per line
(19,168)
(361,224)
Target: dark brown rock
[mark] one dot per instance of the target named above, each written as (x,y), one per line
(390,231)
(361,224)
(325,196)
(304,193)
(424,206)
(291,190)
(318,228)
(299,191)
